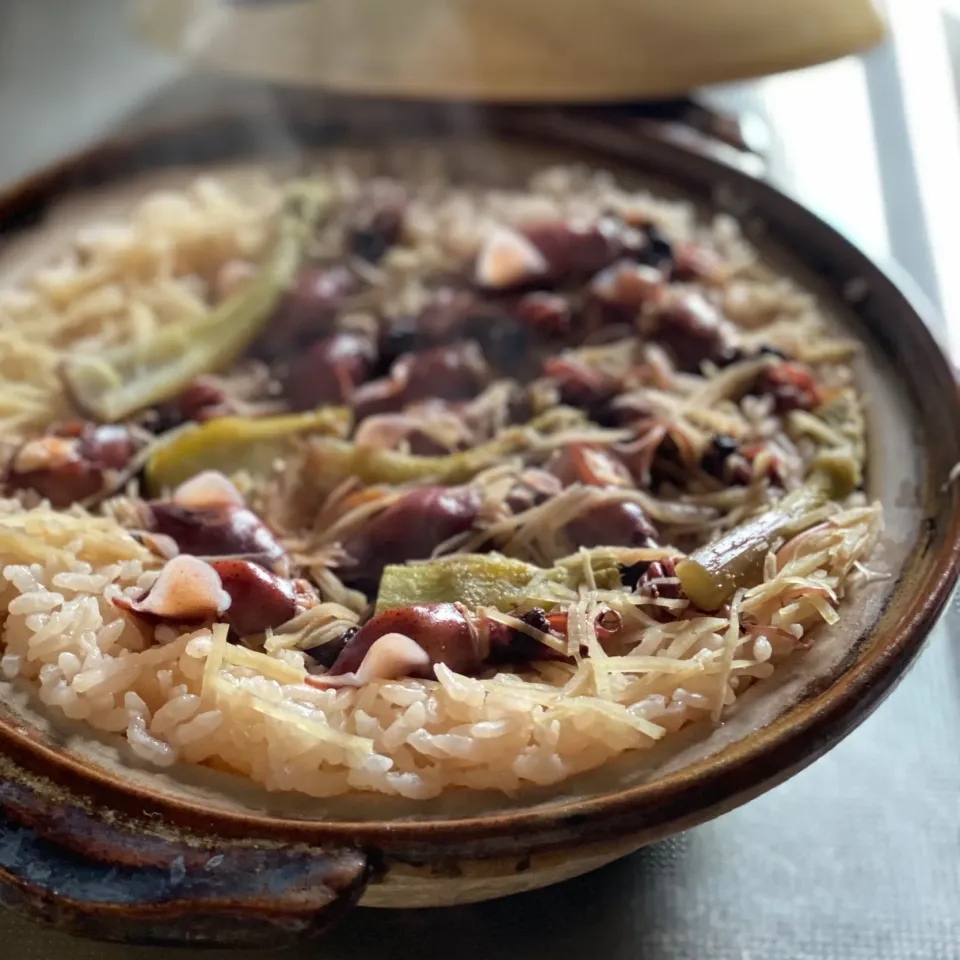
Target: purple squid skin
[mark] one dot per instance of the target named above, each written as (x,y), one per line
(410,529)
(616,524)
(216,531)
(444,633)
(259,599)
(441,630)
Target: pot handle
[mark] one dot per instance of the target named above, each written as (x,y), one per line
(89,873)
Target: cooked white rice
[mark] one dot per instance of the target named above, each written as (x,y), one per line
(193,697)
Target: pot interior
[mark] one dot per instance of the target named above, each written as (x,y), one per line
(913,423)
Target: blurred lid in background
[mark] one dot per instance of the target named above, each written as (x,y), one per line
(509,50)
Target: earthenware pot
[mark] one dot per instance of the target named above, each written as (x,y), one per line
(100,845)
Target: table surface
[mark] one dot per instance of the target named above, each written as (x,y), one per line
(856,858)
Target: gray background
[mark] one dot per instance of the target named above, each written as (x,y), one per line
(858,857)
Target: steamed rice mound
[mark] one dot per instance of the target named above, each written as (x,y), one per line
(190,693)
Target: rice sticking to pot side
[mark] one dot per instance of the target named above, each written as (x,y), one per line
(361,484)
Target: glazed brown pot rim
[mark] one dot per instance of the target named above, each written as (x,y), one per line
(685,797)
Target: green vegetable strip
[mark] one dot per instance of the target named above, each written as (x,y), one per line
(485,580)
(337,459)
(232,444)
(132,377)
(488,580)
(334,460)
(711,575)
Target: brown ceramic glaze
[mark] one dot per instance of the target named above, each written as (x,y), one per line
(100,845)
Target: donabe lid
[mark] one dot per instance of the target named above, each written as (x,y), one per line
(509,50)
